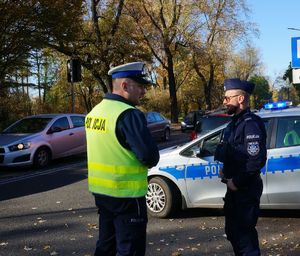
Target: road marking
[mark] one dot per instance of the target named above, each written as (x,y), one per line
(41,173)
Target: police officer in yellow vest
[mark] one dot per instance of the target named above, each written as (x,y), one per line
(120,150)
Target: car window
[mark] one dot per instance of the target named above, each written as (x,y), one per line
(189,118)
(288,132)
(150,118)
(210,144)
(28,125)
(61,123)
(208,123)
(266,123)
(78,121)
(205,147)
(158,117)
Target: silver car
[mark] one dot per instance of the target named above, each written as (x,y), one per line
(187,176)
(35,140)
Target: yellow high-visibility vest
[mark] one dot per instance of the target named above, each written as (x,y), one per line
(112,169)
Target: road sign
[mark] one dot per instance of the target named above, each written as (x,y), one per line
(296,76)
(295,52)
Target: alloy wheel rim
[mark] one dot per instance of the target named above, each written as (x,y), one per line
(155,198)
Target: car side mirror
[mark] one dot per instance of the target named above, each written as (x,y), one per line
(199,153)
(203,153)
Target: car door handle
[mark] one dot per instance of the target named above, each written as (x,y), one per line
(70,134)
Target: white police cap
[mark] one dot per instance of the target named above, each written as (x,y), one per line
(132,70)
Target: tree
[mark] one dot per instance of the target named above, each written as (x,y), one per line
(288,77)
(160,24)
(245,63)
(98,34)
(261,93)
(44,63)
(15,39)
(288,74)
(218,24)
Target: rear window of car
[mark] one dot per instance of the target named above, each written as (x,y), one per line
(150,117)
(189,118)
(158,117)
(78,121)
(209,123)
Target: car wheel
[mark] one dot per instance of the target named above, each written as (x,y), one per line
(161,198)
(166,136)
(42,157)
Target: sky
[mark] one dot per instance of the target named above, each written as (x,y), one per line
(273,18)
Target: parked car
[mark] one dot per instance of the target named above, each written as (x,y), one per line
(209,122)
(187,176)
(35,140)
(191,119)
(159,126)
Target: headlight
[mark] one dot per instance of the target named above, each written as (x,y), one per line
(19,146)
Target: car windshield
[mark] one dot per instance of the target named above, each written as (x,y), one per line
(29,125)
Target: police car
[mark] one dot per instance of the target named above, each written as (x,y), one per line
(187,176)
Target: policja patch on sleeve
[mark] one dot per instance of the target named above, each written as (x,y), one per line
(253,148)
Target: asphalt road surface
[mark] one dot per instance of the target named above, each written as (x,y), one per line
(51,212)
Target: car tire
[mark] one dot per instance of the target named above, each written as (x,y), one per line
(162,198)
(167,134)
(42,157)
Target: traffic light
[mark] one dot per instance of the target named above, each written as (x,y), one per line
(74,70)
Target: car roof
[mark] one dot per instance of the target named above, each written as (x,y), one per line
(292,111)
(216,116)
(52,115)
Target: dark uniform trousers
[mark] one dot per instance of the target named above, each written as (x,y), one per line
(122,226)
(241,209)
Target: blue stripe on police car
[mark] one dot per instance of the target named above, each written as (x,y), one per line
(211,170)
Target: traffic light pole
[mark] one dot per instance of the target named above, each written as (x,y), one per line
(73,75)
(72,95)
(72,90)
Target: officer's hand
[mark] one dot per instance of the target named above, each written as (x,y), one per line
(231,185)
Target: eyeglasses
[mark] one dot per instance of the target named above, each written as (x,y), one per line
(228,98)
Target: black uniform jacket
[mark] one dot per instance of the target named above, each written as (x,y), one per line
(243,148)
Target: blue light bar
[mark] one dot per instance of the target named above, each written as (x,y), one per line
(277,105)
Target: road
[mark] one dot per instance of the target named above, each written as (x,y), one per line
(51,212)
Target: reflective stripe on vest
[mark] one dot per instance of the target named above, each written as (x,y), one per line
(112,169)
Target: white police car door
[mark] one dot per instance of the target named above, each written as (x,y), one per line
(203,184)
(283,166)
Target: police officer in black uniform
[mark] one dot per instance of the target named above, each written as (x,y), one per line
(243,153)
